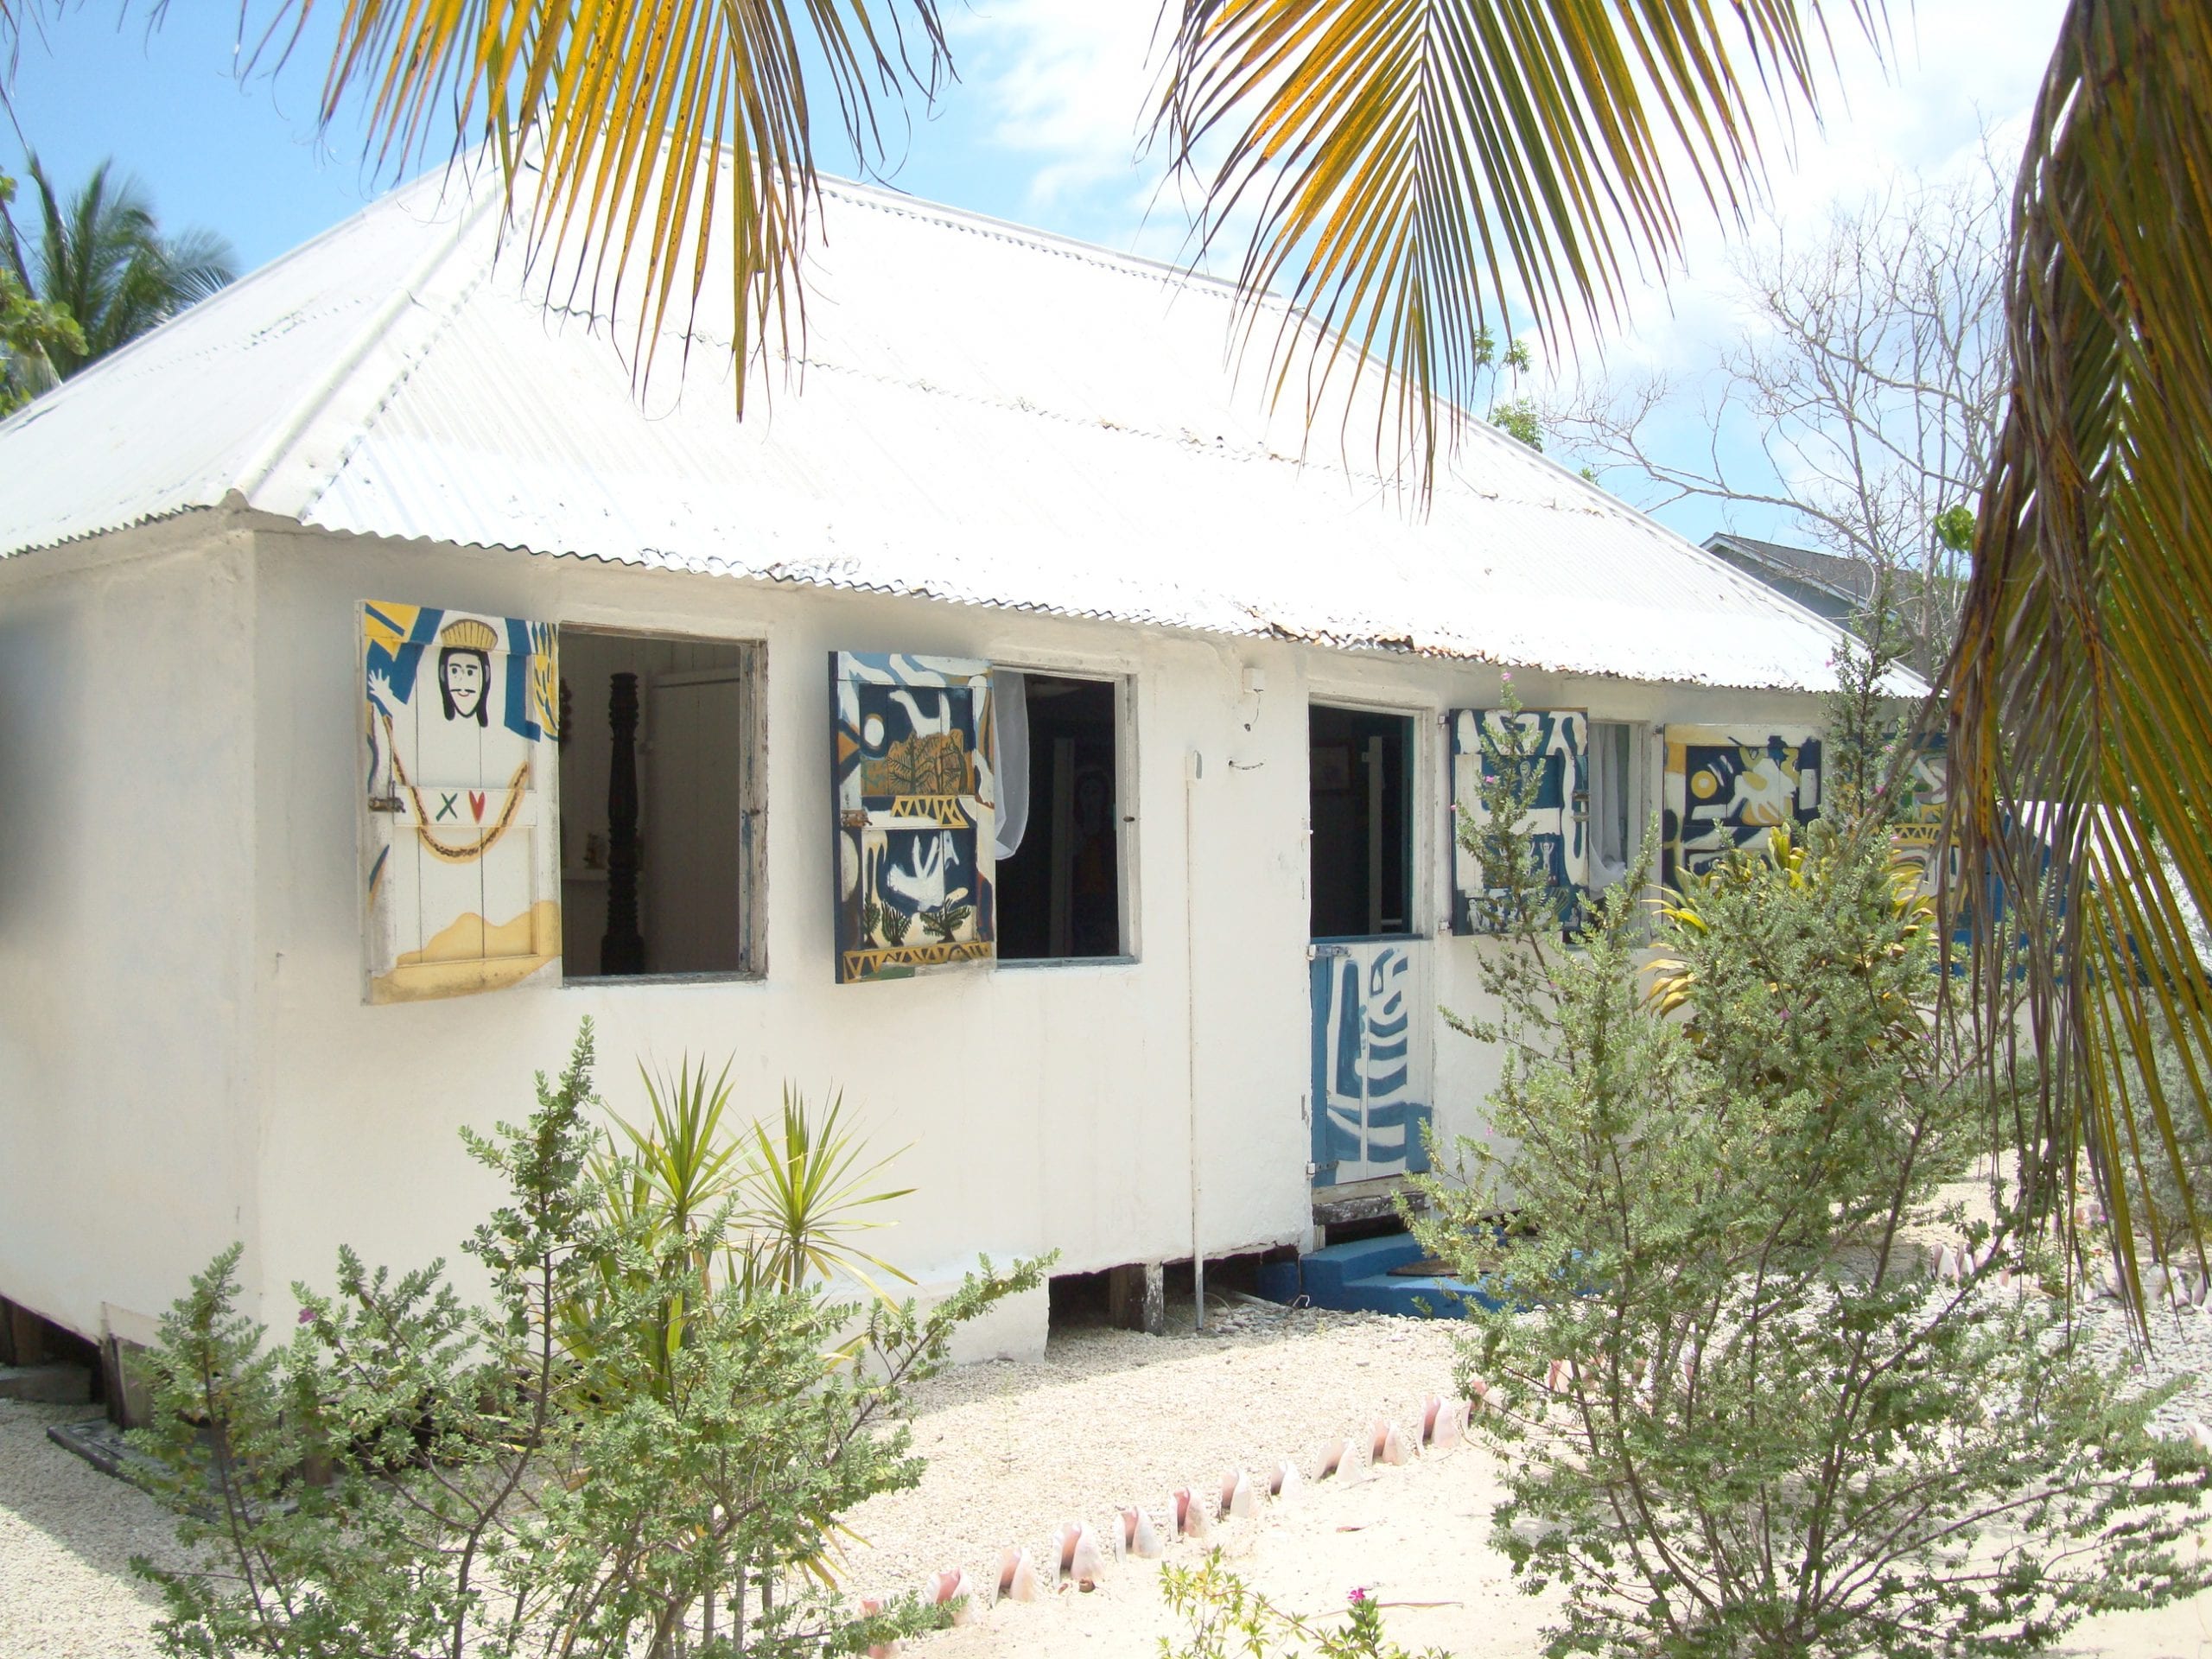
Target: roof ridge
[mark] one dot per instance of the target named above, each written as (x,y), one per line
(260,464)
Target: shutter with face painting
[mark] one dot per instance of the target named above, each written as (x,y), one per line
(459,719)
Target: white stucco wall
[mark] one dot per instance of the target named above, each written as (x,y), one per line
(129,1144)
(1042,1107)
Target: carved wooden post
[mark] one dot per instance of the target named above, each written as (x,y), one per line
(623,950)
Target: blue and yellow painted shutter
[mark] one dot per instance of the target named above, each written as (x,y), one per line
(460,846)
(1728,785)
(915,814)
(1559,742)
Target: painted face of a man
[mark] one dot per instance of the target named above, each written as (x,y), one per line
(462,673)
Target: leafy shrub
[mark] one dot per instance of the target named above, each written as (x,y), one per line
(565,1470)
(1738,1419)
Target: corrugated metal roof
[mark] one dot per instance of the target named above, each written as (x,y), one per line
(979,413)
(1845,578)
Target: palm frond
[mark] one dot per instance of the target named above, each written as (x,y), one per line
(1412,166)
(2080,691)
(605,115)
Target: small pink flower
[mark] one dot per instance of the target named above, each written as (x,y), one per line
(1358,1594)
(306,1316)
(1506,676)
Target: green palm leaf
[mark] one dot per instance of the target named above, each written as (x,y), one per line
(1411,166)
(2080,693)
(99,255)
(605,114)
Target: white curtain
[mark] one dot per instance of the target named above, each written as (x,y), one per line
(1010,756)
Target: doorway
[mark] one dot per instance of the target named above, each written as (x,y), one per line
(1368,973)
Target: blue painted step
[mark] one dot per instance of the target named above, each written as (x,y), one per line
(1357,1277)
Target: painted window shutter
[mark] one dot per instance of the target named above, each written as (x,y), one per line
(460,717)
(915,814)
(1560,738)
(1728,785)
(1919,827)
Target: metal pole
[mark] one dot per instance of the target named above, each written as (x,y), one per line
(1193,768)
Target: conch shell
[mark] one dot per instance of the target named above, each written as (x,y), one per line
(1238,1500)
(869,1608)
(1138,1536)
(1192,1519)
(1443,1423)
(1080,1563)
(952,1588)
(1388,1444)
(1018,1579)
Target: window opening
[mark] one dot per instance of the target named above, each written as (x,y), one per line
(1059,867)
(1614,821)
(660,815)
(1360,785)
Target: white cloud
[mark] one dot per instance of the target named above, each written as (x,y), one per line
(1066,87)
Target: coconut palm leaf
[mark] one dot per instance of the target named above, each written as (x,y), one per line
(605,115)
(2080,692)
(100,255)
(1408,167)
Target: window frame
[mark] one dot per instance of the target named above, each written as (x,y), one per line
(752,675)
(1641,781)
(1128,816)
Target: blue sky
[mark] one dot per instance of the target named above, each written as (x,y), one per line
(1042,128)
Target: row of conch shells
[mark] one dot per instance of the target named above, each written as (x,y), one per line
(2175,1288)
(1079,1563)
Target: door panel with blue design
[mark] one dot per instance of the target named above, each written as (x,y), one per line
(1371,1096)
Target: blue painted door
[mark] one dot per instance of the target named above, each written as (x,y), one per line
(1370,1092)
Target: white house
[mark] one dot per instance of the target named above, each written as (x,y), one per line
(315,604)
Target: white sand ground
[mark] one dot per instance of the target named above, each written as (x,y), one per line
(1106,1417)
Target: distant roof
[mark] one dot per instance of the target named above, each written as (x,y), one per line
(977,413)
(1845,578)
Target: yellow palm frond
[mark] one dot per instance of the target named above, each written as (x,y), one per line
(2080,693)
(616,106)
(1414,167)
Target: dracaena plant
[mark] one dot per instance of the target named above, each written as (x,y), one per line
(557,1469)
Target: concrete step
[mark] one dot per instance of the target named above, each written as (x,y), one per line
(1356,1278)
(1326,1271)
(48,1385)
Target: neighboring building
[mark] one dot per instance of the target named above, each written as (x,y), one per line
(1836,587)
(324,618)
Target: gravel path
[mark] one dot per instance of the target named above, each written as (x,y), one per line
(1014,1450)
(67,1533)
(1110,1418)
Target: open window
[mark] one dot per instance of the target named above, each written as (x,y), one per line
(1618,810)
(660,806)
(1360,807)
(1060,819)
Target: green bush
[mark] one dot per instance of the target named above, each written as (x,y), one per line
(1229,1621)
(1738,1419)
(563,1470)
